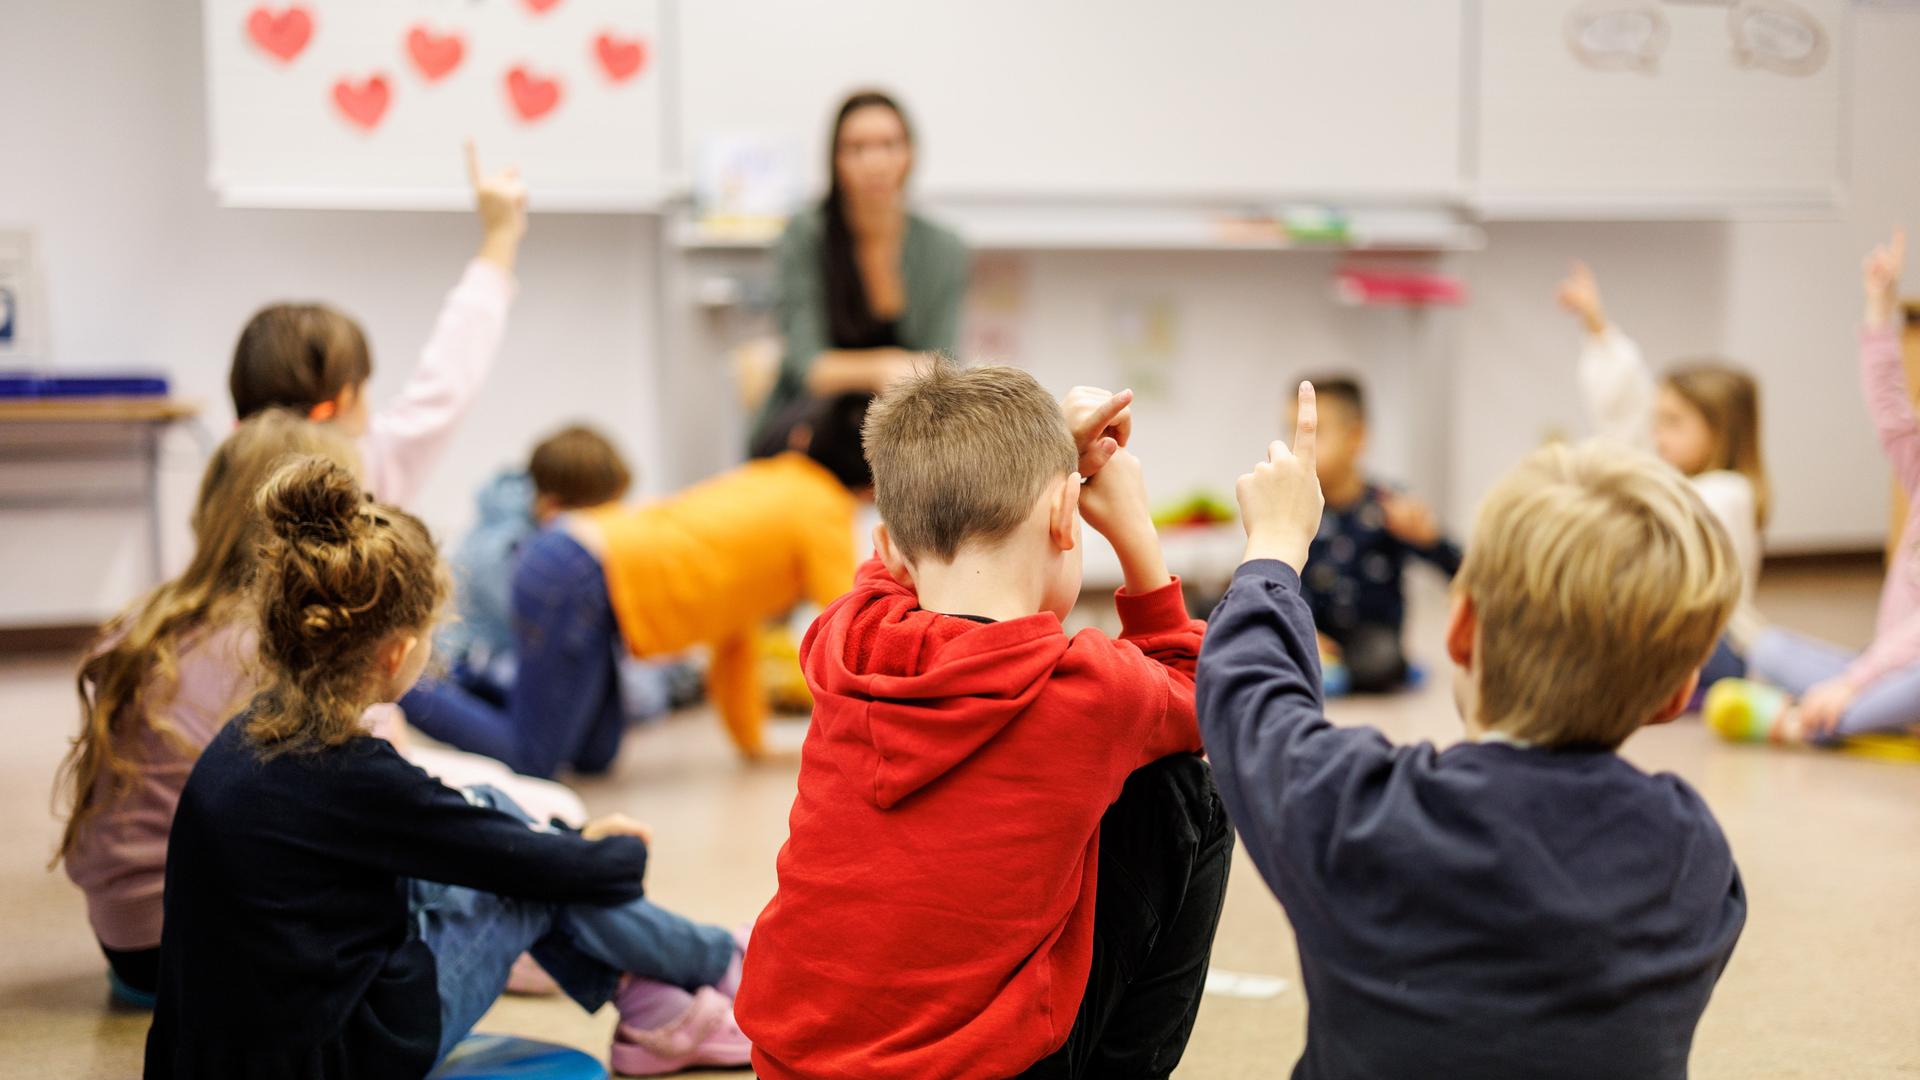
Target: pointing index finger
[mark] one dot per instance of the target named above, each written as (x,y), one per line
(1306,429)
(473,165)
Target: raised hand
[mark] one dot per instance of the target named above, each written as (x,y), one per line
(1280,500)
(1580,294)
(1880,278)
(1101,423)
(501,202)
(1410,519)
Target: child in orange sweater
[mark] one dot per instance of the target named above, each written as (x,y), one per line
(709,566)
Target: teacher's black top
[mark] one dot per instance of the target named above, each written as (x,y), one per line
(288,949)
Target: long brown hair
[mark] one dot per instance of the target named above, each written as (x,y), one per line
(1729,399)
(296,356)
(339,574)
(129,678)
(850,319)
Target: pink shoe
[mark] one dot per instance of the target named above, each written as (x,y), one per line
(530,979)
(705,1034)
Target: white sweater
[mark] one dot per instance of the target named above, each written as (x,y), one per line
(1619,391)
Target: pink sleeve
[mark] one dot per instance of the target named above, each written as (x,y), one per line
(1884,378)
(404,441)
(1899,647)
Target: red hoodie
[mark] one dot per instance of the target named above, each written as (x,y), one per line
(935,910)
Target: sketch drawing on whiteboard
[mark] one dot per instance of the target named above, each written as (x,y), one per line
(1618,35)
(1777,36)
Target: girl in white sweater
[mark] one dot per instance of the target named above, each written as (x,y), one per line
(1702,418)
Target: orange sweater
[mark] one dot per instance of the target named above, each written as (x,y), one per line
(714,563)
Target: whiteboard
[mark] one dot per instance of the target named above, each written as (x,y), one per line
(1012,98)
(1646,103)
(325,103)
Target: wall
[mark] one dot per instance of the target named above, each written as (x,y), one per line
(105,156)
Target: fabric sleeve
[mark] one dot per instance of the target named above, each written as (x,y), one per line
(406,440)
(1883,377)
(945,299)
(1167,641)
(1284,772)
(800,306)
(1898,648)
(738,692)
(828,558)
(1617,389)
(393,816)
(1443,554)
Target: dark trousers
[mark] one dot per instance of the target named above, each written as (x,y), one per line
(564,706)
(1374,657)
(139,970)
(1165,848)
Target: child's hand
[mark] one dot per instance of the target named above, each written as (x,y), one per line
(501,202)
(616,825)
(1822,705)
(1101,423)
(1411,520)
(1580,294)
(1880,277)
(1280,500)
(1114,503)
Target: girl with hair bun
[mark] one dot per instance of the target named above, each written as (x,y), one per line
(333,911)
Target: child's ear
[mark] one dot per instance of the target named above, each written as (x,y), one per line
(1066,510)
(1463,626)
(1677,704)
(394,652)
(890,556)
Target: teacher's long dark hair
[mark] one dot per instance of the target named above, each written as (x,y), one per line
(850,319)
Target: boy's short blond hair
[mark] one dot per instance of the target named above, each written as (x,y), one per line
(578,467)
(1601,581)
(960,454)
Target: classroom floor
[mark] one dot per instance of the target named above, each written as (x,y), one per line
(1822,985)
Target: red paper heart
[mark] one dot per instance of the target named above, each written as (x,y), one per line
(434,54)
(620,57)
(533,96)
(364,103)
(281,33)
(540,6)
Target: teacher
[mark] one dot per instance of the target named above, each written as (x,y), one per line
(864,285)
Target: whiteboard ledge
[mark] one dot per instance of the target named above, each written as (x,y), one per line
(575,201)
(1809,205)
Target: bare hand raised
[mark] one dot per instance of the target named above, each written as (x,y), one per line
(1880,277)
(1101,423)
(1580,294)
(1280,500)
(501,202)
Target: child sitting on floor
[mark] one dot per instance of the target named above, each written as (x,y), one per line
(314,360)
(709,566)
(332,910)
(1525,903)
(1830,693)
(1353,580)
(164,677)
(1005,856)
(1702,418)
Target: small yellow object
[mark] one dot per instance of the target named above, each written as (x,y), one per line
(780,671)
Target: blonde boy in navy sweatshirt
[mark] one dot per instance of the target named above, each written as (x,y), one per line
(1525,903)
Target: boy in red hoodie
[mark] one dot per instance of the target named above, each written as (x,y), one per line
(1005,858)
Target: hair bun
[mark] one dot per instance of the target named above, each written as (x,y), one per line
(311,498)
(320,620)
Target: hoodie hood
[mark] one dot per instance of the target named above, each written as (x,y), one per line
(912,694)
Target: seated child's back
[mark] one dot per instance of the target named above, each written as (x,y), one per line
(1525,903)
(935,912)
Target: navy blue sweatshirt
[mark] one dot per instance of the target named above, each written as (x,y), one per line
(1485,911)
(1355,565)
(288,950)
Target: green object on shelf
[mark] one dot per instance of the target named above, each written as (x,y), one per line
(1199,508)
(1315,225)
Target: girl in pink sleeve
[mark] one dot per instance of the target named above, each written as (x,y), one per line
(1810,691)
(314,360)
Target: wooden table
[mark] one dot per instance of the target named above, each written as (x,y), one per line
(50,430)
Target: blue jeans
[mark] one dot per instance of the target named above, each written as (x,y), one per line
(564,706)
(1796,664)
(476,936)
(1725,663)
